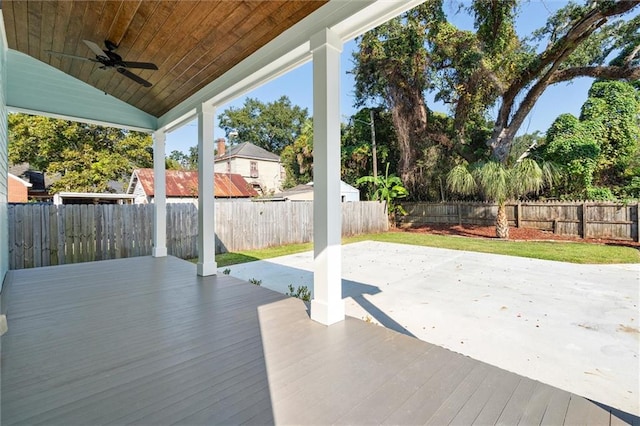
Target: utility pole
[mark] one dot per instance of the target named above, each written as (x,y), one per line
(373,142)
(373,145)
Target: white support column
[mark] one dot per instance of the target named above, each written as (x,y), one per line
(159,196)
(327,306)
(206,206)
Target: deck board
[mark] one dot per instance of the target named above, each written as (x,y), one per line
(481,407)
(146,341)
(460,396)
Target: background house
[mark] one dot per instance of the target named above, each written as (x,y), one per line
(40,182)
(182,186)
(304,192)
(259,167)
(18,189)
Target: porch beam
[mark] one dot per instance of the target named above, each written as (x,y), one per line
(159,195)
(206,206)
(327,306)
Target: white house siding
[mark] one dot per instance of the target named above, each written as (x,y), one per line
(269,172)
(182,200)
(4,161)
(141,196)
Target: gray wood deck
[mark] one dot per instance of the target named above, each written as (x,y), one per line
(145,341)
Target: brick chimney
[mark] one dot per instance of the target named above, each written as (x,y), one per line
(221,147)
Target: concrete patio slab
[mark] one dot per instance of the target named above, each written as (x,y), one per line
(571,326)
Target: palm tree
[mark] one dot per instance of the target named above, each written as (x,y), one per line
(496,183)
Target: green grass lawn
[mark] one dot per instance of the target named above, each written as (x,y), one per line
(573,252)
(226,259)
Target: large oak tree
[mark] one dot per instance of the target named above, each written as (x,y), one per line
(488,68)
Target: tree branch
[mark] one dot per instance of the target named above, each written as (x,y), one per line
(570,41)
(548,63)
(444,141)
(634,52)
(605,72)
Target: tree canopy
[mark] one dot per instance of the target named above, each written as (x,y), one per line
(490,69)
(297,158)
(85,156)
(178,160)
(357,151)
(600,150)
(272,125)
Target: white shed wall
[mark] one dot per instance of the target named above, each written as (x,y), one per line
(141,196)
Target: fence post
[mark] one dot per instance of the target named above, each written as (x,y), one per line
(638,222)
(459,214)
(518,214)
(584,220)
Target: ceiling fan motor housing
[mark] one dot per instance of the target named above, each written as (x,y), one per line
(111,59)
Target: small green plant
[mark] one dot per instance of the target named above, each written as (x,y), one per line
(226,271)
(302,292)
(387,189)
(255,282)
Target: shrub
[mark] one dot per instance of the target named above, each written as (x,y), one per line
(302,292)
(599,193)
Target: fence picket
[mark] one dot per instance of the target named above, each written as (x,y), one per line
(13,245)
(37,235)
(46,236)
(28,238)
(68,231)
(62,234)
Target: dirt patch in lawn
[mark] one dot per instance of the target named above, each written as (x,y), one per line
(515,234)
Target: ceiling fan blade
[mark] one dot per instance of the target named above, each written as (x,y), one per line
(65,55)
(95,49)
(134,77)
(140,65)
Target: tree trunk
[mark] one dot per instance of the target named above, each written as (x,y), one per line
(409,116)
(502,223)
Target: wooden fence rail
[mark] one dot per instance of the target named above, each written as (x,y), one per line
(43,235)
(584,219)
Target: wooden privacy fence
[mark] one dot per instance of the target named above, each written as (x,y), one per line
(584,219)
(42,234)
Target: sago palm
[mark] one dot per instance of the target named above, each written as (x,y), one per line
(496,183)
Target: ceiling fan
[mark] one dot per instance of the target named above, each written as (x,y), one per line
(109,59)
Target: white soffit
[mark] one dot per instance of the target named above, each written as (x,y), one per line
(347,18)
(37,88)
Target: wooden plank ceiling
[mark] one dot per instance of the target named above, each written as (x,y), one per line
(191,42)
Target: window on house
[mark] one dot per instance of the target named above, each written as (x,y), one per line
(254,169)
(228,166)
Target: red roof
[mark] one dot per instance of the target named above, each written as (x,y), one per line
(185,184)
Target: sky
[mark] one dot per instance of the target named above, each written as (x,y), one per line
(297,84)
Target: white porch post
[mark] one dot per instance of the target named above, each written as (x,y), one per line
(327,306)
(159,196)
(206,219)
